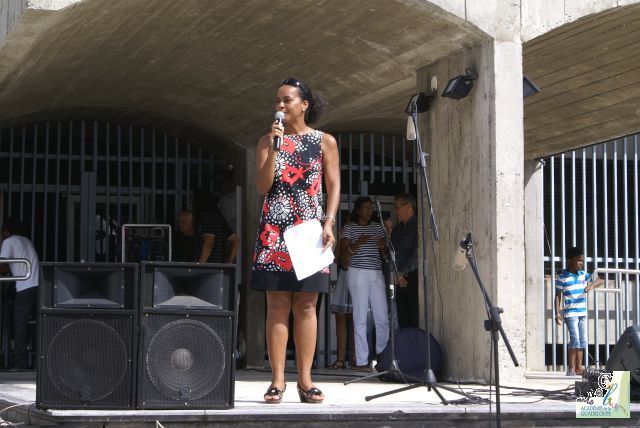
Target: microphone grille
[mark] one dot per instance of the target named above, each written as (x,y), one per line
(279,115)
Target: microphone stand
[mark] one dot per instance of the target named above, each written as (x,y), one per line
(493,324)
(428,377)
(393,274)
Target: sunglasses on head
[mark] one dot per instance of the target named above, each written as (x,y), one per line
(290,81)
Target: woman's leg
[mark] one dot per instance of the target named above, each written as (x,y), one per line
(359,289)
(305,325)
(378,301)
(278,309)
(341,335)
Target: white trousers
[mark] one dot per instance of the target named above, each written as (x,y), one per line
(367,289)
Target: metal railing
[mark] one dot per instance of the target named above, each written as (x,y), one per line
(17,278)
(622,308)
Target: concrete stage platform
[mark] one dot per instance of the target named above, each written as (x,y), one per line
(545,400)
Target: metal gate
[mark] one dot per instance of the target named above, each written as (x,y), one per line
(74,183)
(591,201)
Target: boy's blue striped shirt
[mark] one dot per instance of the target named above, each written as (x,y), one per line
(573,295)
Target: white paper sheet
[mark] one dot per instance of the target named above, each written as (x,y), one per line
(304,242)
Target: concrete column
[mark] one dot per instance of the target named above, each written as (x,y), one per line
(476,171)
(534,252)
(509,187)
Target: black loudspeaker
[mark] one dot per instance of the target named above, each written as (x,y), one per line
(187,336)
(626,353)
(87,336)
(410,347)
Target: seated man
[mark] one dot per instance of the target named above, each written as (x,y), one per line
(218,243)
(186,243)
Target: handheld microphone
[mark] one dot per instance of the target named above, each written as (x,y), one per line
(460,256)
(277,141)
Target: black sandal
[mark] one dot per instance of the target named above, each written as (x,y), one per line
(276,394)
(307,396)
(338,364)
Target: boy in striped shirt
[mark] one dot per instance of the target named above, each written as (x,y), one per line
(572,288)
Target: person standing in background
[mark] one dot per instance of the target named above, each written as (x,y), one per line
(17,246)
(404,238)
(364,242)
(572,287)
(340,304)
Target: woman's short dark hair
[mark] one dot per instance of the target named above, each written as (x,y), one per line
(316,101)
(357,204)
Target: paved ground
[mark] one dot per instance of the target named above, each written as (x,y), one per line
(543,401)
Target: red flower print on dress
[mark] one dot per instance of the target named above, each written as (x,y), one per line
(316,185)
(281,259)
(288,145)
(291,174)
(269,235)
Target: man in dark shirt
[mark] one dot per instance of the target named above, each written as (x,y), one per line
(218,243)
(186,243)
(404,237)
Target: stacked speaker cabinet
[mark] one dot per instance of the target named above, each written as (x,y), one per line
(87,336)
(625,355)
(187,323)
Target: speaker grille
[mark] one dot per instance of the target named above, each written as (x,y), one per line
(85,360)
(187,361)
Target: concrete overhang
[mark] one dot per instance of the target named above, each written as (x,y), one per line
(215,66)
(588,73)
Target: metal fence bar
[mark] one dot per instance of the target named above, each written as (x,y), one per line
(154,214)
(372,165)
(142,209)
(108,219)
(594,204)
(393,159)
(22,169)
(626,223)
(605,203)
(554,327)
(56,235)
(636,205)
(34,168)
(69,175)
(119,181)
(11,137)
(585,236)
(383,159)
(46,193)
(130,218)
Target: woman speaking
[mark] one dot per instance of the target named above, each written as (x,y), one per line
(291,161)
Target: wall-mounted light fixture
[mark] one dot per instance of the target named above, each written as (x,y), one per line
(460,86)
(528,87)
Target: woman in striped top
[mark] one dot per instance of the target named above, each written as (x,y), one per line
(364,240)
